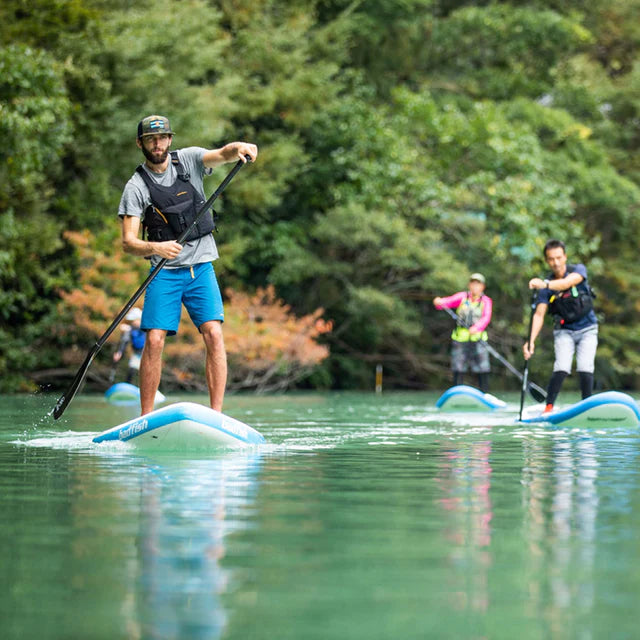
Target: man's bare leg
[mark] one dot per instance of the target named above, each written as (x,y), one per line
(216,362)
(151,368)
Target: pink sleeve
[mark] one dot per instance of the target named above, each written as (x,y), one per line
(453,302)
(485,318)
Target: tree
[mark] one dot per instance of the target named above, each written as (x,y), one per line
(402,144)
(35,126)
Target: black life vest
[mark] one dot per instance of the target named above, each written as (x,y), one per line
(173,209)
(572,304)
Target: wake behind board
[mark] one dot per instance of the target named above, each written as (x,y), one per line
(465,398)
(183,426)
(607,409)
(124,393)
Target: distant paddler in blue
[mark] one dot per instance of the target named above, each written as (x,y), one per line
(131,335)
(165,198)
(469,338)
(566,293)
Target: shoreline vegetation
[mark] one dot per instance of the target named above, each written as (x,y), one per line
(403,146)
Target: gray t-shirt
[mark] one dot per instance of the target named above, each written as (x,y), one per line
(136,198)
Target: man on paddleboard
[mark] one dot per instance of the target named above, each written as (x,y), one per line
(469,338)
(566,293)
(164,196)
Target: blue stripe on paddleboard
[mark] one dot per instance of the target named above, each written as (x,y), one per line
(182,411)
(124,388)
(125,393)
(472,393)
(597,400)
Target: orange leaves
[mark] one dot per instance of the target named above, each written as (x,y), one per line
(89,308)
(268,347)
(106,281)
(78,238)
(263,330)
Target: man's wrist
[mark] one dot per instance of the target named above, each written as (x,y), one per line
(230,151)
(546,283)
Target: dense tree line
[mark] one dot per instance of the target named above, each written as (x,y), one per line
(404,144)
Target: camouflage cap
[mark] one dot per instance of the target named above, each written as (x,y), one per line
(152,125)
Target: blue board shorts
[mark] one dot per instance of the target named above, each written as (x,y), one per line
(196,287)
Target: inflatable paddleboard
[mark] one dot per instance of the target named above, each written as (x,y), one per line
(123,393)
(184,426)
(465,398)
(607,409)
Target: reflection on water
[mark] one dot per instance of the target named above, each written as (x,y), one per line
(560,507)
(464,480)
(561,501)
(363,517)
(186,510)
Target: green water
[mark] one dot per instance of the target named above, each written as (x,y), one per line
(363,517)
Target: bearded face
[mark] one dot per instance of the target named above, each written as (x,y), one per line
(156,148)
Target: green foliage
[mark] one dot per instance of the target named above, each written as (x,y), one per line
(44,24)
(35,126)
(403,144)
(499,51)
(34,107)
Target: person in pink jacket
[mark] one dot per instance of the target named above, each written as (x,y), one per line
(469,338)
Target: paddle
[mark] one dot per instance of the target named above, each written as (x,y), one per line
(538,393)
(525,373)
(67,397)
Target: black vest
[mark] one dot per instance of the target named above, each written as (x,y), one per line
(173,209)
(573,304)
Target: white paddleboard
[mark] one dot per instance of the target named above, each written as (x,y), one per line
(465,398)
(183,426)
(607,409)
(124,393)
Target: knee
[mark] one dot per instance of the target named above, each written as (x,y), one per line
(212,333)
(154,340)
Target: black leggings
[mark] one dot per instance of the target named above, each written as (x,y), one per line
(555,384)
(483,380)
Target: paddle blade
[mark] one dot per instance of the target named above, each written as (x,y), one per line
(67,397)
(537,394)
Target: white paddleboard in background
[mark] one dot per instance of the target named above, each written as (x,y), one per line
(183,426)
(607,409)
(465,398)
(124,393)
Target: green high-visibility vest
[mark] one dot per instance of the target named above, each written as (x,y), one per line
(469,313)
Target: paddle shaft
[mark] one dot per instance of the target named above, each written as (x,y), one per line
(525,373)
(537,392)
(66,398)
